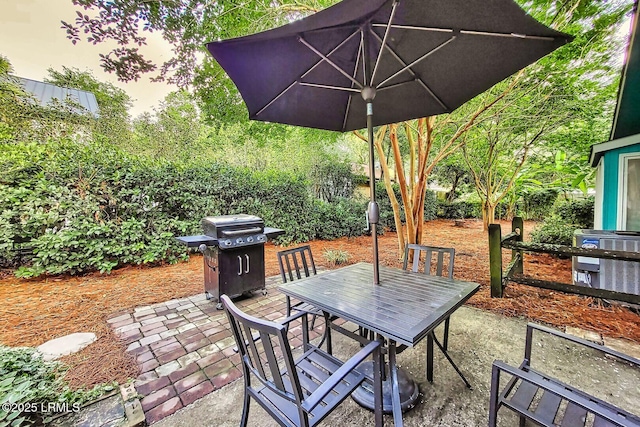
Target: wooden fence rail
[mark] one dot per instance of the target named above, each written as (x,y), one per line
(515,270)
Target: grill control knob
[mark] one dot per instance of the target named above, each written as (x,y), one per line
(239,240)
(261,238)
(249,239)
(228,242)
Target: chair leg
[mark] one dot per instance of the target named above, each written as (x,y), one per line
(313,321)
(326,336)
(288,306)
(245,404)
(430,357)
(493,399)
(377,387)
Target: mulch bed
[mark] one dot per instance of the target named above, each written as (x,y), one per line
(37,310)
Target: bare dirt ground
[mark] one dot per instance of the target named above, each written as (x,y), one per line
(37,310)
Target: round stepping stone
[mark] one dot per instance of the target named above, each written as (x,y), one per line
(68,344)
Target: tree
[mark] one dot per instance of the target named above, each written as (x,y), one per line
(175,131)
(14,102)
(186,24)
(24,119)
(516,115)
(430,140)
(552,103)
(113,122)
(452,171)
(427,141)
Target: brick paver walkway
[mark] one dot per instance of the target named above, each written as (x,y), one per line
(184,347)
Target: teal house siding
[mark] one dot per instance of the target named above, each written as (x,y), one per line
(611,162)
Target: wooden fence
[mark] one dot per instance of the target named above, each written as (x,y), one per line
(515,271)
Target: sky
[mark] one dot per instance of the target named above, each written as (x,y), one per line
(32,40)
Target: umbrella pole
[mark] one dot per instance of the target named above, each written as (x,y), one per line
(374,212)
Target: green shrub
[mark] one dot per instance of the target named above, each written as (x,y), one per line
(27,381)
(459,210)
(566,217)
(578,212)
(92,208)
(386,211)
(332,180)
(344,218)
(537,204)
(336,256)
(554,231)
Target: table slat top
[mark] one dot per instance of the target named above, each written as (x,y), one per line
(405,307)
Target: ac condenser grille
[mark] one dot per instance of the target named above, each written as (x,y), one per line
(620,276)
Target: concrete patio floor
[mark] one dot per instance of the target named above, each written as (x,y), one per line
(476,339)
(188,367)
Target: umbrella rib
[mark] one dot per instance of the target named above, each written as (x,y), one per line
(413,27)
(406,67)
(384,40)
(345,89)
(470,32)
(355,72)
(275,98)
(329,61)
(305,73)
(419,80)
(332,51)
(512,35)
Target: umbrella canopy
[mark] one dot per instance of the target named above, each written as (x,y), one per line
(416,58)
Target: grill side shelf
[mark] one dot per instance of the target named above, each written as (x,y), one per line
(195,241)
(271,232)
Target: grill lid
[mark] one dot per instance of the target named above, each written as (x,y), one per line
(228,226)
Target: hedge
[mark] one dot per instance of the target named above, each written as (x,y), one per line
(386,211)
(567,217)
(89,207)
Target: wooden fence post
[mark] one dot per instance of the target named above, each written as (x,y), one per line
(495,260)
(518,224)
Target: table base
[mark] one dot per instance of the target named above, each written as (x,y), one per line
(409,391)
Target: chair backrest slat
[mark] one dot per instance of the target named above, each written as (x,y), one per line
(440,263)
(281,378)
(253,353)
(428,262)
(294,263)
(271,361)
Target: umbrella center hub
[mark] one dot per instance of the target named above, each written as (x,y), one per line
(368,93)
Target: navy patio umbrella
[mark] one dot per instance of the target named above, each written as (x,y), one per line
(407,58)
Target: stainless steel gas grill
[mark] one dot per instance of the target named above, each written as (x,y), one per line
(233,252)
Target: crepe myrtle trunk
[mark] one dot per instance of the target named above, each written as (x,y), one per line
(488,214)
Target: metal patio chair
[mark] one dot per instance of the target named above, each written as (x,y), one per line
(536,395)
(295,264)
(434,263)
(302,391)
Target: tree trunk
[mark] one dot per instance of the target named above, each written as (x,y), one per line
(488,214)
(395,206)
(451,195)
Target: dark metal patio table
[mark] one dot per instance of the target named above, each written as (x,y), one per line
(404,308)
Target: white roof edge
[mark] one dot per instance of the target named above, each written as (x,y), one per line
(597,150)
